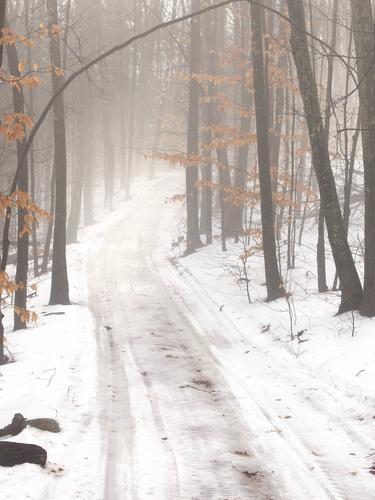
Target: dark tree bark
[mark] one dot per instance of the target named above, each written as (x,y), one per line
(22,265)
(350,284)
(193,240)
(273,279)
(59,283)
(362,24)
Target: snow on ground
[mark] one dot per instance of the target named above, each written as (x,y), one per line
(169,385)
(56,375)
(310,373)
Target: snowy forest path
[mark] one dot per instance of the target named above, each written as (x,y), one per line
(179,420)
(172,426)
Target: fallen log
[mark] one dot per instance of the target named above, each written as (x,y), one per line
(44,424)
(19,453)
(15,427)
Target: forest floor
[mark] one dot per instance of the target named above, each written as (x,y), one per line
(169,385)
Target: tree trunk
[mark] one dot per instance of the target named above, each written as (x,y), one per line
(209,31)
(278,123)
(47,244)
(129,170)
(59,283)
(320,254)
(362,24)
(76,203)
(22,265)
(292,194)
(193,240)
(245,127)
(34,235)
(89,173)
(349,171)
(350,283)
(206,208)
(273,279)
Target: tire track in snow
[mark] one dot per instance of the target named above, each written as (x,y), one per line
(203,430)
(328,477)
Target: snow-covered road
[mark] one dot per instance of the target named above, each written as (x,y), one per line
(173,425)
(192,407)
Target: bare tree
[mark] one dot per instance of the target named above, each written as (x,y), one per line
(362,23)
(193,240)
(351,289)
(273,279)
(22,264)
(59,283)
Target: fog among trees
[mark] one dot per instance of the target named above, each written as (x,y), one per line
(188,222)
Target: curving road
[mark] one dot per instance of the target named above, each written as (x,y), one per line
(179,420)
